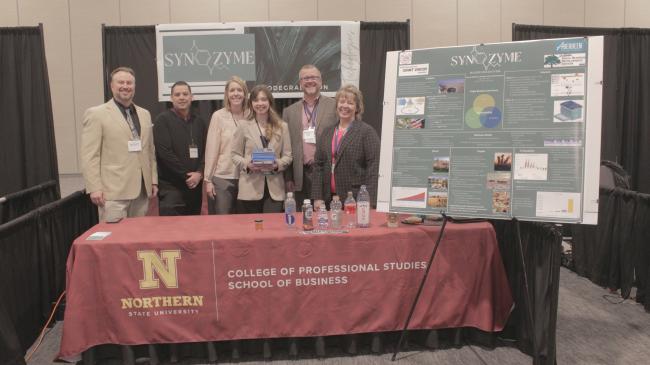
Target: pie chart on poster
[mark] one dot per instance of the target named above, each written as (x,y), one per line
(483,113)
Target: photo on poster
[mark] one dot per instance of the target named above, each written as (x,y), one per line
(557,204)
(439,182)
(437,200)
(568,111)
(451,86)
(531,166)
(500,202)
(503,161)
(409,197)
(410,105)
(499,180)
(568,84)
(409,123)
(441,164)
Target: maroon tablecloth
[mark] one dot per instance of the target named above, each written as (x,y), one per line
(210,278)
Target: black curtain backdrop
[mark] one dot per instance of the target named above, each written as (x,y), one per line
(376,40)
(642,249)
(22,202)
(27,147)
(542,247)
(33,253)
(626,93)
(135,47)
(616,253)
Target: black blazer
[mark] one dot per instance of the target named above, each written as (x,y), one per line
(357,163)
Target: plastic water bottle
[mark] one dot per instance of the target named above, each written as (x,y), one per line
(323,218)
(363,208)
(307,216)
(335,212)
(350,211)
(290,211)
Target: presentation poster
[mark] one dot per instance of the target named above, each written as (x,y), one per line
(494,131)
(271,53)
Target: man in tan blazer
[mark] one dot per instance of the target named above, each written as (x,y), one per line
(307,119)
(117,152)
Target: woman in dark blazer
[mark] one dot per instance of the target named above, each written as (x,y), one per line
(347,155)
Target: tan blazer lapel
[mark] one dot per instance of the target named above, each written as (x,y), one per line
(144,130)
(118,118)
(254,132)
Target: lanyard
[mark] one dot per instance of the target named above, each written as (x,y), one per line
(311,115)
(235,120)
(265,141)
(337,140)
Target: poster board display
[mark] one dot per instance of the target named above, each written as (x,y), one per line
(506,130)
(206,55)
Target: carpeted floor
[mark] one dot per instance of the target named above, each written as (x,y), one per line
(591,329)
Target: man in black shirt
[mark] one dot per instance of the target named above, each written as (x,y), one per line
(179,137)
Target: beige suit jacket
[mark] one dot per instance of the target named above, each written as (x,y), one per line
(106,162)
(325,117)
(251,184)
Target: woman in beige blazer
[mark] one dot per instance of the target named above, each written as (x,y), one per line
(261,189)
(221,176)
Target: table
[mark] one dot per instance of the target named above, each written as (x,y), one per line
(213,278)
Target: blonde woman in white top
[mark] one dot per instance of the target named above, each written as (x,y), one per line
(221,175)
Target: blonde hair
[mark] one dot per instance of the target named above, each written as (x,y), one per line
(237,80)
(351,90)
(273,127)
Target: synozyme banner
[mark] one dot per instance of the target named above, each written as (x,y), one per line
(206,55)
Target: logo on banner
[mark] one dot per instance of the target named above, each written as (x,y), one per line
(160,271)
(201,58)
(570,46)
(489,61)
(159,268)
(212,60)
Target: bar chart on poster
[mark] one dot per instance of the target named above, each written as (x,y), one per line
(504,130)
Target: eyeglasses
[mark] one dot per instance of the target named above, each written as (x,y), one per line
(310,78)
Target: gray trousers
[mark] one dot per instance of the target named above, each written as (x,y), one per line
(225,197)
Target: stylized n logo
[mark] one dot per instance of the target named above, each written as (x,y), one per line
(166,271)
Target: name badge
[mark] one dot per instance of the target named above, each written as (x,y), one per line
(194,151)
(309,135)
(135,145)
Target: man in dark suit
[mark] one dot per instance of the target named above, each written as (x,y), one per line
(307,119)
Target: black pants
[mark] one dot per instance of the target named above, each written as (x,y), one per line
(305,192)
(264,205)
(174,200)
